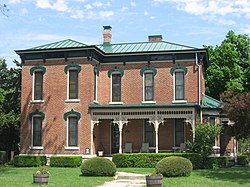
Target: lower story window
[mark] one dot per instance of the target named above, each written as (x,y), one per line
(179,132)
(72,131)
(149,133)
(37,131)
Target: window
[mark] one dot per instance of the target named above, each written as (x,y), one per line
(148,86)
(179,85)
(37,131)
(116,87)
(38,85)
(72,131)
(149,133)
(73,84)
(179,132)
(95,86)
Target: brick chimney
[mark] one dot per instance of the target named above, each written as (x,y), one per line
(107,35)
(155,38)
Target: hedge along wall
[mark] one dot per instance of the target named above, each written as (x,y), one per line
(65,161)
(149,160)
(29,161)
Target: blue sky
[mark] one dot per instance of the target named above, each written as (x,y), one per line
(31,23)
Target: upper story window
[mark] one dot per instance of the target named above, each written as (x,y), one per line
(178,73)
(36,129)
(72,117)
(149,86)
(116,87)
(37,89)
(96,74)
(148,74)
(72,86)
(179,86)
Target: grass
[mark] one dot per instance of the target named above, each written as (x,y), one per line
(236,176)
(23,176)
(223,177)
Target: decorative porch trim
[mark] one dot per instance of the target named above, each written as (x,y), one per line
(37,112)
(37,67)
(172,70)
(72,112)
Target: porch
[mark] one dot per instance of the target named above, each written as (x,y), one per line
(164,129)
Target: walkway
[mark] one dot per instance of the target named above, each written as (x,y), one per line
(124,179)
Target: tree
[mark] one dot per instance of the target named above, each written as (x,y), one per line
(229,68)
(237,107)
(10,91)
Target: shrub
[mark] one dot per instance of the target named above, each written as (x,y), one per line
(3,157)
(98,166)
(174,166)
(221,161)
(243,160)
(29,161)
(149,160)
(65,161)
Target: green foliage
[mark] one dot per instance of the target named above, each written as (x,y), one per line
(149,160)
(42,170)
(205,135)
(65,161)
(244,145)
(174,166)
(221,162)
(243,160)
(229,68)
(3,157)
(98,166)
(29,161)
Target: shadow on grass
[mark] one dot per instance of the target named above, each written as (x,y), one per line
(239,175)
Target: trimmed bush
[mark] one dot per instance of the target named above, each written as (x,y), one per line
(174,166)
(29,161)
(221,161)
(149,160)
(242,160)
(98,166)
(65,161)
(3,157)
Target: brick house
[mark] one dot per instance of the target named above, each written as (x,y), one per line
(78,99)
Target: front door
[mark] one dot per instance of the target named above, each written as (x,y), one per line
(115,138)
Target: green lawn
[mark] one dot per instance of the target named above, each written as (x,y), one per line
(238,176)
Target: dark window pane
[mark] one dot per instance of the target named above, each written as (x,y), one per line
(179,132)
(116,87)
(37,131)
(72,131)
(95,84)
(149,86)
(149,133)
(38,85)
(179,85)
(73,84)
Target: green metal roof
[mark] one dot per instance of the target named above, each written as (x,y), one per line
(61,44)
(143,47)
(105,106)
(210,103)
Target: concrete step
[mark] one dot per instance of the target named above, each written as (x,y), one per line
(129,176)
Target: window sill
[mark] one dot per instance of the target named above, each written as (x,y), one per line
(72,101)
(36,147)
(71,148)
(95,102)
(179,101)
(116,103)
(148,102)
(36,101)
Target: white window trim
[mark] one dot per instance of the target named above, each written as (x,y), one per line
(36,147)
(33,88)
(67,135)
(96,88)
(32,124)
(68,100)
(143,89)
(111,88)
(174,99)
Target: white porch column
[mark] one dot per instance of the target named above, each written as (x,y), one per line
(120,126)
(156,126)
(91,136)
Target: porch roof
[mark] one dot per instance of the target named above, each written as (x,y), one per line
(210,103)
(107,106)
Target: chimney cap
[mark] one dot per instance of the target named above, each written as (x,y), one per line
(107,27)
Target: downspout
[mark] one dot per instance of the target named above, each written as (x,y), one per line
(199,84)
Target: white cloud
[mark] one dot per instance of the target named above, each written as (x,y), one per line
(24,12)
(106,13)
(88,6)
(14,1)
(124,8)
(97,4)
(77,14)
(245,29)
(133,4)
(152,17)
(145,13)
(59,5)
